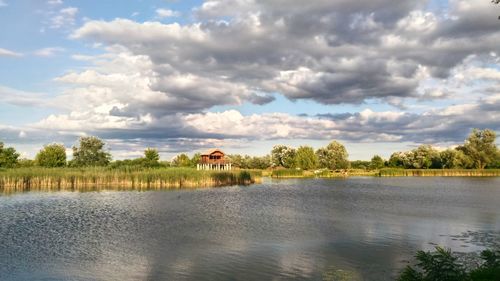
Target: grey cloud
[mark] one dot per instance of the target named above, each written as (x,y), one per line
(263,39)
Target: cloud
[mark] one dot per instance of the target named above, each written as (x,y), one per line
(3,4)
(331,52)
(22,98)
(55,2)
(156,83)
(48,52)
(65,17)
(9,53)
(167,13)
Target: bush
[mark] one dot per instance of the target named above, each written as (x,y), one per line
(442,265)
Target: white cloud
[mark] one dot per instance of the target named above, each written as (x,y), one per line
(3,3)
(167,13)
(9,53)
(55,2)
(64,18)
(48,52)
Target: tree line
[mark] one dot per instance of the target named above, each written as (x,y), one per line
(479,151)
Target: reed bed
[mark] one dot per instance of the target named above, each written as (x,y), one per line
(86,179)
(439,173)
(288,173)
(388,172)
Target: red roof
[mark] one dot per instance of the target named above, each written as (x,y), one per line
(212,151)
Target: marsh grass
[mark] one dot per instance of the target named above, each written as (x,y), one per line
(387,172)
(75,179)
(439,172)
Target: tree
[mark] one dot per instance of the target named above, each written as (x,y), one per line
(151,158)
(333,157)
(480,147)
(377,162)
(51,155)
(425,157)
(453,159)
(90,153)
(260,162)
(236,160)
(305,158)
(195,159)
(283,156)
(181,160)
(397,159)
(8,156)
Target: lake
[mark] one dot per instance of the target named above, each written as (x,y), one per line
(305,229)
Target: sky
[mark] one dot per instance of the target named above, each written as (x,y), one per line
(243,75)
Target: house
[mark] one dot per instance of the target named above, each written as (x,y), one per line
(214,159)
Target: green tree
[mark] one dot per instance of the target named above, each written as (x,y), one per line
(377,162)
(25,163)
(284,156)
(51,155)
(90,152)
(236,160)
(425,157)
(480,147)
(260,162)
(333,157)
(397,159)
(181,160)
(8,156)
(195,159)
(454,159)
(151,158)
(305,158)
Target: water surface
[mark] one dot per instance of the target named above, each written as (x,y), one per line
(361,228)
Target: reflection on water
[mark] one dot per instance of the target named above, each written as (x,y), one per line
(350,229)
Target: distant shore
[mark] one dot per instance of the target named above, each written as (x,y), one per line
(387,172)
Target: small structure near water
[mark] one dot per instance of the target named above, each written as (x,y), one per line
(214,159)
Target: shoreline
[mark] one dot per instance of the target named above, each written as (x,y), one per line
(386,173)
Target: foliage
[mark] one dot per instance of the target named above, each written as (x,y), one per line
(151,158)
(333,157)
(360,164)
(453,159)
(195,159)
(181,160)
(51,156)
(90,153)
(423,157)
(480,147)
(247,162)
(25,163)
(8,156)
(283,156)
(377,162)
(443,265)
(305,158)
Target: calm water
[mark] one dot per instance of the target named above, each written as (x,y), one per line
(362,228)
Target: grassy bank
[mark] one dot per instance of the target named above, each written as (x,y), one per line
(293,173)
(439,173)
(46,179)
(388,172)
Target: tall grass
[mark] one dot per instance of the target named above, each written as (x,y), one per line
(47,179)
(438,173)
(288,173)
